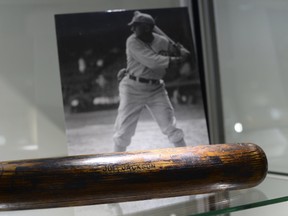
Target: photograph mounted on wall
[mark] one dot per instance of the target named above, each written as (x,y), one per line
(130,80)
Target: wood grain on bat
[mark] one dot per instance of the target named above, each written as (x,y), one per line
(129,176)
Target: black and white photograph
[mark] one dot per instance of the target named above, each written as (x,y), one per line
(130,80)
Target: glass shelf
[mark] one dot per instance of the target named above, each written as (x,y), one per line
(272,190)
(208,204)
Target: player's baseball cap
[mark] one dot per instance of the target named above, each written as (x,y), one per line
(142,18)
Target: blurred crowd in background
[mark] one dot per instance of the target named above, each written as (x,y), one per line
(90,82)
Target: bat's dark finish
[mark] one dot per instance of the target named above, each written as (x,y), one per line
(129,176)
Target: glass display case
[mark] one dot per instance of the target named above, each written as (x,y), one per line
(251,50)
(242,49)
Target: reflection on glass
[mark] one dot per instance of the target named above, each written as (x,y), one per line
(2,140)
(238,127)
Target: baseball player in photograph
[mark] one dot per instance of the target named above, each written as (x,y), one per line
(149,55)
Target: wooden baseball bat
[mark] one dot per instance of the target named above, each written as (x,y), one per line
(129,176)
(159,31)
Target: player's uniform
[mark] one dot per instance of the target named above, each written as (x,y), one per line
(143,87)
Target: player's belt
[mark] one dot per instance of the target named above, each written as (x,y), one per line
(144,80)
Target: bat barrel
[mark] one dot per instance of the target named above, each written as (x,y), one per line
(129,176)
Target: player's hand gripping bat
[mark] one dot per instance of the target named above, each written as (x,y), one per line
(181,49)
(129,176)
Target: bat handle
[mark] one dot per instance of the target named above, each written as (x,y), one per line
(182,49)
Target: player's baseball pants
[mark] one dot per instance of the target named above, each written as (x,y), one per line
(134,97)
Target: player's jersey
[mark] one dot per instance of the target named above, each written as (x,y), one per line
(145,60)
